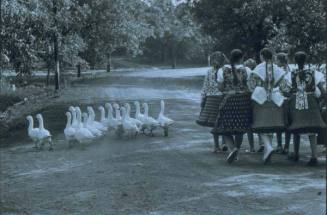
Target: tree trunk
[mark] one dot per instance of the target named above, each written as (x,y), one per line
(173,56)
(56,59)
(48,76)
(48,64)
(1,42)
(325,1)
(79,70)
(56,54)
(109,63)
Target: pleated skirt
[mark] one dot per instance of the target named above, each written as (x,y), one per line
(269,118)
(235,115)
(210,111)
(306,121)
(322,135)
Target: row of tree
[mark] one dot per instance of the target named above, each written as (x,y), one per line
(69,33)
(284,25)
(61,33)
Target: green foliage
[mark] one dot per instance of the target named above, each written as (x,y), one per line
(253,24)
(176,35)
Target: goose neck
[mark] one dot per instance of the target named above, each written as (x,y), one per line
(146,110)
(162,108)
(30,124)
(110,116)
(74,117)
(68,124)
(41,125)
(102,114)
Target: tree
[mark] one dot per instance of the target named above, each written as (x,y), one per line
(254,24)
(114,24)
(176,35)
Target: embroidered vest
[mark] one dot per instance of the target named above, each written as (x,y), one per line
(238,83)
(303,82)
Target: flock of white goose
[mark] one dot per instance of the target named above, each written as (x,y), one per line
(82,126)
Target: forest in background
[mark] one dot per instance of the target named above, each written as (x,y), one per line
(59,34)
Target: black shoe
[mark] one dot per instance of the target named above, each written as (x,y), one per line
(225,148)
(293,157)
(285,151)
(232,156)
(279,150)
(261,149)
(313,162)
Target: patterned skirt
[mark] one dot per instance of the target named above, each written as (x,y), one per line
(269,118)
(235,115)
(308,120)
(210,111)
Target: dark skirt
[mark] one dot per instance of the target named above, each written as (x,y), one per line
(308,120)
(235,115)
(322,135)
(209,112)
(269,118)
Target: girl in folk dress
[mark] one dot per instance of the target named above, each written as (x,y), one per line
(235,115)
(283,64)
(268,111)
(322,136)
(211,97)
(304,109)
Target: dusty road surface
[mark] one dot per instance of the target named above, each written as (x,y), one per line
(175,175)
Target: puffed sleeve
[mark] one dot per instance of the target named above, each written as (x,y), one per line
(248,71)
(320,78)
(220,76)
(320,82)
(254,81)
(285,84)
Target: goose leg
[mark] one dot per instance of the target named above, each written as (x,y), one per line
(166,131)
(42,144)
(36,144)
(151,132)
(50,145)
(69,144)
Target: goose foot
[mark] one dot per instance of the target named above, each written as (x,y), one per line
(36,146)
(51,146)
(41,145)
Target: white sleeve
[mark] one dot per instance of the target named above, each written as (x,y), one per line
(220,75)
(288,78)
(248,71)
(319,78)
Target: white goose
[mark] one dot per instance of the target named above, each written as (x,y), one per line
(119,130)
(89,125)
(95,132)
(112,122)
(117,112)
(164,121)
(69,130)
(74,123)
(104,121)
(128,126)
(45,135)
(92,121)
(82,134)
(149,122)
(33,133)
(138,114)
(137,122)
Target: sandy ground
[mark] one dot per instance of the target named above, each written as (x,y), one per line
(173,175)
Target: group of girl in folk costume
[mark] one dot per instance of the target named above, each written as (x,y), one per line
(269,99)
